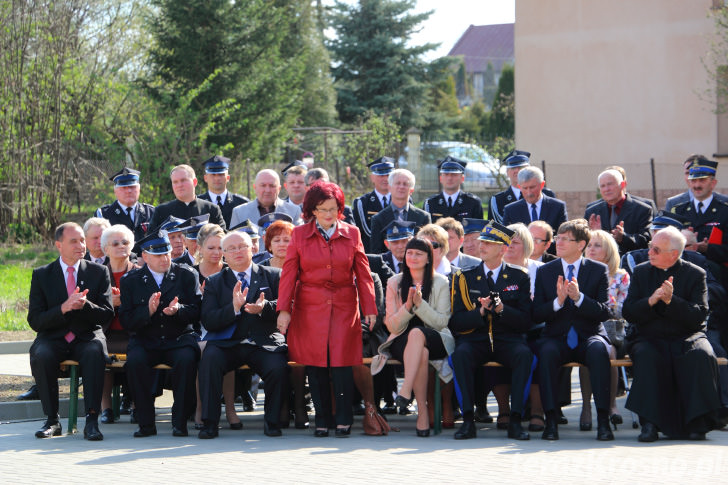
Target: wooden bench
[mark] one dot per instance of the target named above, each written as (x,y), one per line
(119,360)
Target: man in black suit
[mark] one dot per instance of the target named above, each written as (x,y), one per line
(69,302)
(489,327)
(239,312)
(452,202)
(186,204)
(571,297)
(294,181)
(127,209)
(514,162)
(626,219)
(401,186)
(534,205)
(368,205)
(675,386)
(543,237)
(217,177)
(160,304)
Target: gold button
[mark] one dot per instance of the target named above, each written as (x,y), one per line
(328,266)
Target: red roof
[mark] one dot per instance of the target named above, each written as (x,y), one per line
(481,44)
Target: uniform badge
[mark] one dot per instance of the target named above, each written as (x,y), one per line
(117,212)
(478,278)
(713,209)
(144,279)
(460,200)
(441,201)
(171,276)
(371,199)
(505,276)
(509,197)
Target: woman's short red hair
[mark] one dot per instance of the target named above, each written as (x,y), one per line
(318,193)
(275,229)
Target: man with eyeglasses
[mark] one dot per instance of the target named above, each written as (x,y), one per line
(543,235)
(239,313)
(160,305)
(127,209)
(571,297)
(675,388)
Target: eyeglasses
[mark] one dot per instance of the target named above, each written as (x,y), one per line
(564,238)
(235,249)
(657,250)
(539,241)
(327,211)
(123,242)
(435,244)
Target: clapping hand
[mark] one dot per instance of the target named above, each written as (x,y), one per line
(664,293)
(257,307)
(115,296)
(172,308)
(75,301)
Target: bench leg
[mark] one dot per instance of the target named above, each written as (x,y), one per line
(116,401)
(438,405)
(73,401)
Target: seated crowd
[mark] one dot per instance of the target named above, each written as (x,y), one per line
(441,290)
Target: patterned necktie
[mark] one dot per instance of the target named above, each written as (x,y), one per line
(700,207)
(219,201)
(534,215)
(243,280)
(129,213)
(449,202)
(70,280)
(572,338)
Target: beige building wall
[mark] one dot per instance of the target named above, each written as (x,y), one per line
(618,82)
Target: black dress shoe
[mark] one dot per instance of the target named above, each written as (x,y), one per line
(389,409)
(271,431)
(585,426)
(208,432)
(551,430)
(91,431)
(234,426)
(303,425)
(125,405)
(648,434)
(482,415)
(343,432)
(321,433)
(107,417)
(181,432)
(467,431)
(516,432)
(30,395)
(50,428)
(562,419)
(423,433)
(145,431)
(604,430)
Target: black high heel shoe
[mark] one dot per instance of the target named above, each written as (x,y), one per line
(402,402)
(343,432)
(423,433)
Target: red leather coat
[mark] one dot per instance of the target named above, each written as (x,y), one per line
(319,288)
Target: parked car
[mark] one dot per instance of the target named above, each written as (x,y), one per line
(483,173)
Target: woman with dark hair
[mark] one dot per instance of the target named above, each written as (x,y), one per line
(418,310)
(325,278)
(277,238)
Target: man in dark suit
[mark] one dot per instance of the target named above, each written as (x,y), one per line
(626,219)
(92,229)
(239,313)
(186,204)
(488,328)
(535,205)
(687,196)
(543,236)
(127,209)
(675,370)
(217,177)
(369,204)
(160,304)
(401,186)
(455,238)
(452,202)
(571,297)
(294,177)
(69,302)
(514,162)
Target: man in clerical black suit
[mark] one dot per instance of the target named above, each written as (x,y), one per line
(488,330)
(618,213)
(160,304)
(571,297)
(69,302)
(675,388)
(401,186)
(534,205)
(452,202)
(127,209)
(217,177)
(368,205)
(186,204)
(239,313)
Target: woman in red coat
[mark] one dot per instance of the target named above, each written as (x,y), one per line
(324,275)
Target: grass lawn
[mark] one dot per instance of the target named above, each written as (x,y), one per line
(16,267)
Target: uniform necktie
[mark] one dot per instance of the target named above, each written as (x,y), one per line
(70,280)
(219,201)
(130,214)
(385,202)
(572,339)
(491,282)
(700,207)
(399,215)
(449,202)
(534,215)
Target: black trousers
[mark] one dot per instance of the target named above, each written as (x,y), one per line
(47,354)
(470,355)
(219,360)
(675,384)
(592,352)
(320,380)
(183,361)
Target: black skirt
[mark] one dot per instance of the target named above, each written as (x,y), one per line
(433,342)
